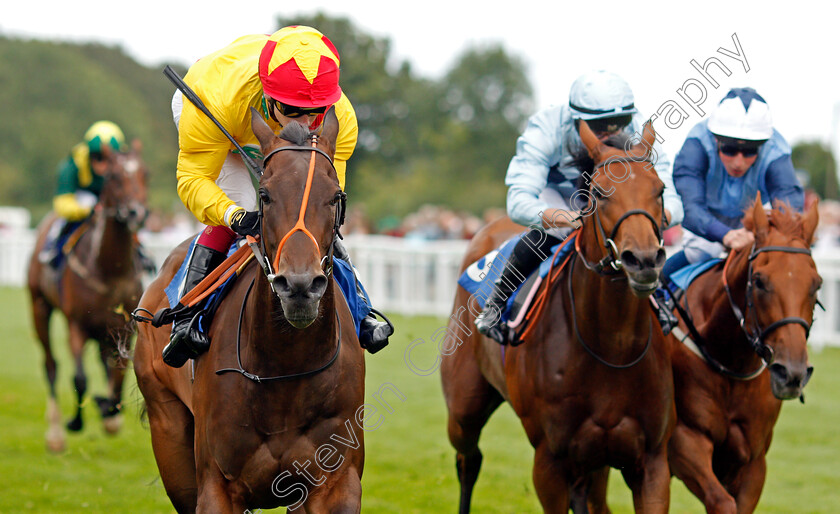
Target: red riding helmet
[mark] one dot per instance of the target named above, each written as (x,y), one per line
(299,67)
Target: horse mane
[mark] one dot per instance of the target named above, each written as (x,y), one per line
(783,218)
(584,163)
(295,133)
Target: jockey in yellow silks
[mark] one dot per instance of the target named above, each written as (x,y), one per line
(290,76)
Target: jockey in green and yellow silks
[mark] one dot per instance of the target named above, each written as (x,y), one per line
(80,180)
(80,175)
(290,76)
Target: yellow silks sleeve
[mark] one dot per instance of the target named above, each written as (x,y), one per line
(68,208)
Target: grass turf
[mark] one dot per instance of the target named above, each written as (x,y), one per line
(409,465)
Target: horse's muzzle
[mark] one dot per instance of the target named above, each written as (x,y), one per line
(300,295)
(787,382)
(642,269)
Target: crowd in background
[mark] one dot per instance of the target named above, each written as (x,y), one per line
(436,222)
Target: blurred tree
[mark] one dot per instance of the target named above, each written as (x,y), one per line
(423,141)
(817,161)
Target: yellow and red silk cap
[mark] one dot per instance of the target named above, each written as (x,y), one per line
(299,67)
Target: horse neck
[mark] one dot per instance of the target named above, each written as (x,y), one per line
(607,301)
(274,345)
(111,247)
(721,330)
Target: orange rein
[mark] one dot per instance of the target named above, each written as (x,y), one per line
(542,298)
(300,225)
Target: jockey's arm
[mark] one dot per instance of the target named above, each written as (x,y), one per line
(527,174)
(65,203)
(782,184)
(690,168)
(203,150)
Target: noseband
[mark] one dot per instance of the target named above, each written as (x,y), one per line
(340,199)
(755,334)
(611,258)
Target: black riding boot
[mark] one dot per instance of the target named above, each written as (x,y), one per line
(373,334)
(529,252)
(186,341)
(663,306)
(515,272)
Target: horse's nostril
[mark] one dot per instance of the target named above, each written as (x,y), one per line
(319,285)
(661,257)
(281,284)
(629,260)
(780,372)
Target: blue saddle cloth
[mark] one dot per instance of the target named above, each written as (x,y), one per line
(683,277)
(343,272)
(480,277)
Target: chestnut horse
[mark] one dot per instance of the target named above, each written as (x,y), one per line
(96,288)
(727,400)
(592,385)
(284,376)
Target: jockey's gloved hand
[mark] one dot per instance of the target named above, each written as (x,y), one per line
(245,223)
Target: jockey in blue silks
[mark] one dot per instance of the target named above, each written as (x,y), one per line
(542,178)
(724,162)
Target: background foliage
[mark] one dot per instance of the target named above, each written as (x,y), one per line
(445,141)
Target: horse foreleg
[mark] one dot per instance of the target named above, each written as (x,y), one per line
(596,494)
(748,485)
(341,495)
(111,407)
(691,461)
(41,312)
(77,343)
(172,428)
(470,401)
(652,487)
(550,481)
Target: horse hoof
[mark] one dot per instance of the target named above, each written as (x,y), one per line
(112,424)
(56,443)
(74,425)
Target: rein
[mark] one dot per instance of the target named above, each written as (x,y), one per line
(583,343)
(258,379)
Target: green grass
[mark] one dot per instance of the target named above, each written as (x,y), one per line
(409,465)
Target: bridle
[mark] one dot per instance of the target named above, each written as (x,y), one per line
(610,264)
(611,258)
(755,334)
(122,213)
(268,266)
(340,199)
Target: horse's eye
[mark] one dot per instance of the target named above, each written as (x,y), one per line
(760,282)
(264,196)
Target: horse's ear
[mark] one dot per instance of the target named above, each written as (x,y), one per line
(810,221)
(136,146)
(590,141)
(648,137)
(261,129)
(329,130)
(761,225)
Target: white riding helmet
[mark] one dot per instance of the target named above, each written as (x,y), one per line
(742,114)
(600,94)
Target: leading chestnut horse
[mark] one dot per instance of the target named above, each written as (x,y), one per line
(592,385)
(283,379)
(752,317)
(96,288)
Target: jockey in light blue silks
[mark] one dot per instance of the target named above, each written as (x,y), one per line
(724,162)
(542,178)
